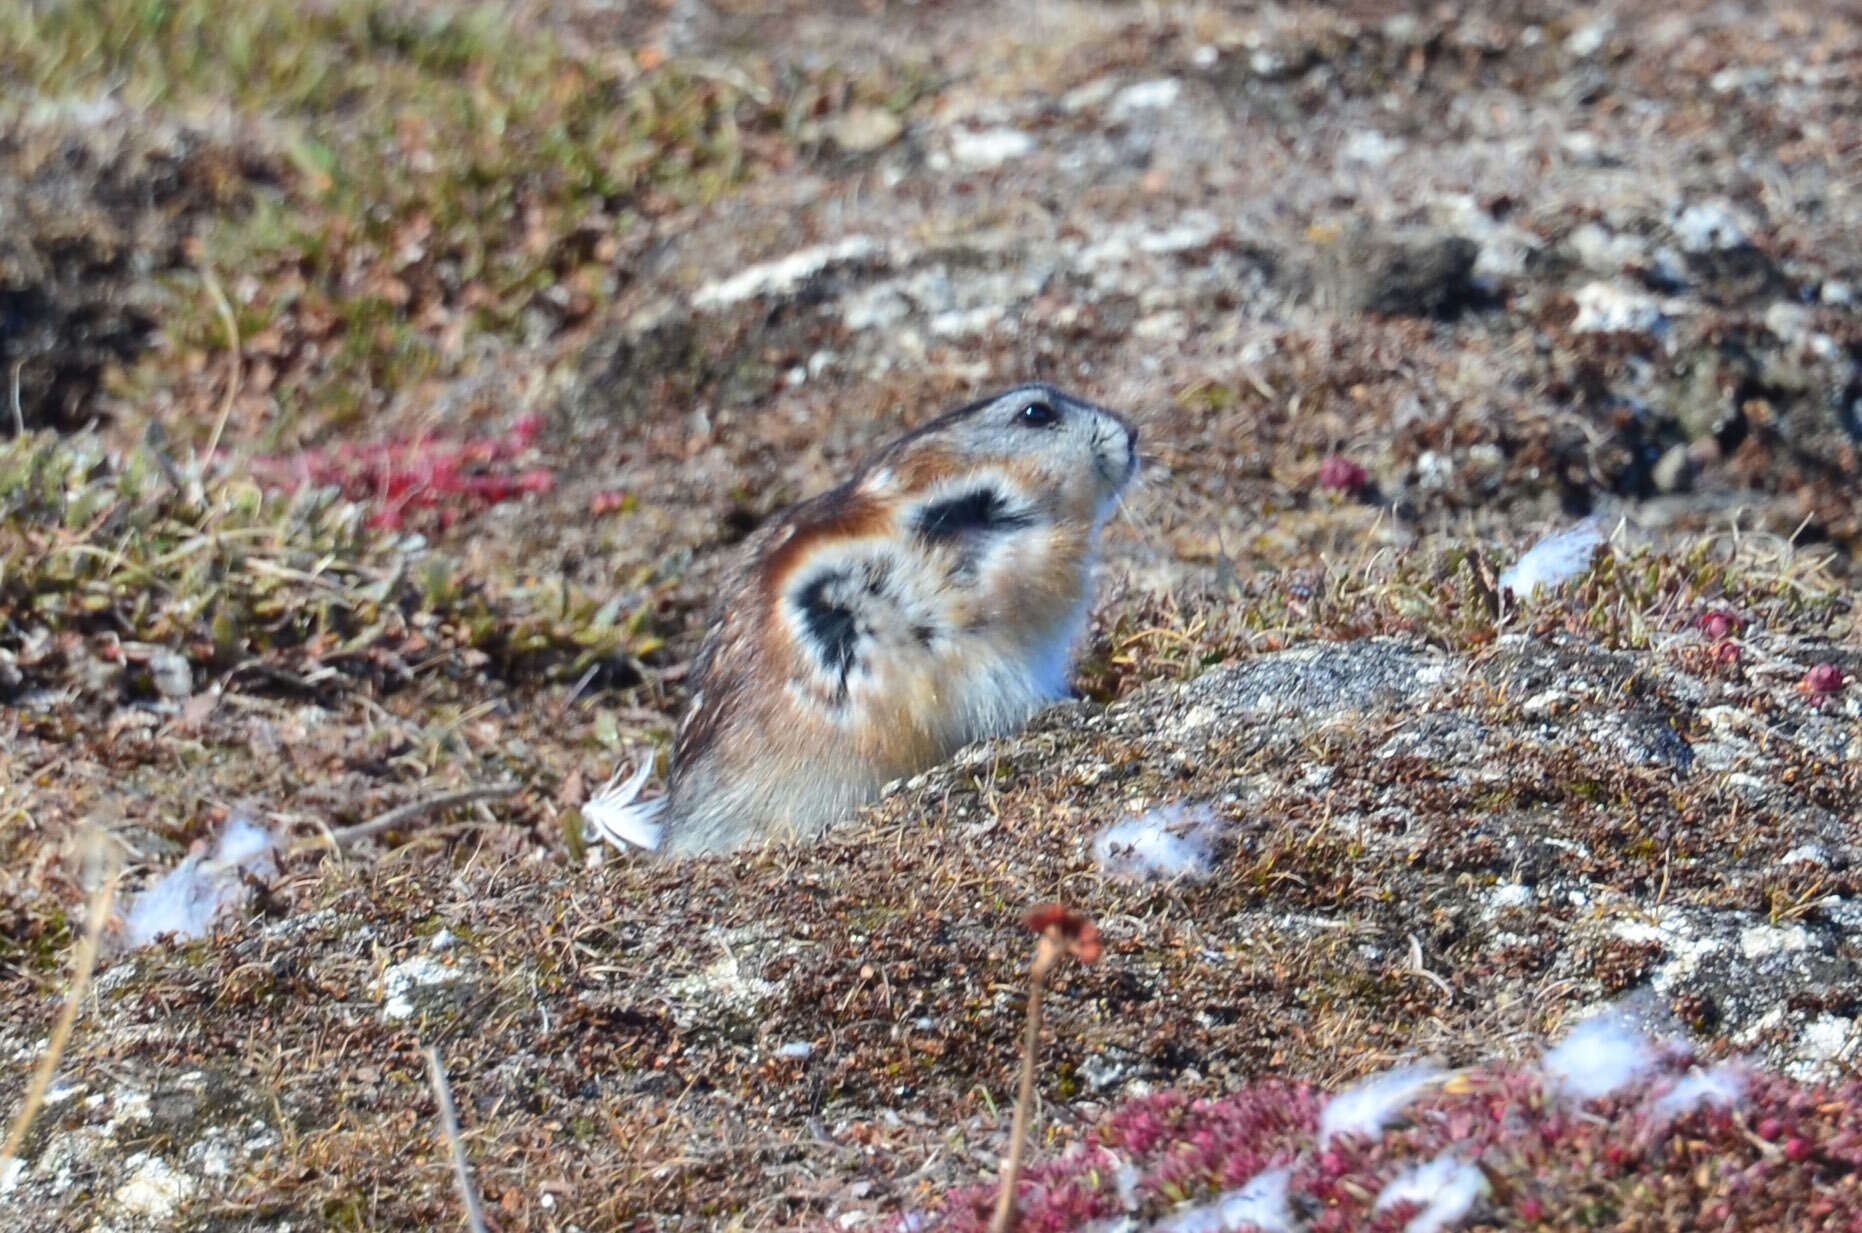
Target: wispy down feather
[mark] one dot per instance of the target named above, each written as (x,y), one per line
(620,818)
(185,902)
(1553,561)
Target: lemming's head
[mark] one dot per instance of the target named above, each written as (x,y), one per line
(1065,455)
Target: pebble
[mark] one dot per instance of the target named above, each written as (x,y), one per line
(1605,308)
(1708,228)
(1146,96)
(990,148)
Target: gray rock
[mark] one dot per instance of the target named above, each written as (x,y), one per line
(1404,273)
(1317,681)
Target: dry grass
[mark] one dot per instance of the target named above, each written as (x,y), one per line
(84,963)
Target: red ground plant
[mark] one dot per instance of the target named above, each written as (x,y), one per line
(1679,1147)
(1340,474)
(1822,682)
(423,475)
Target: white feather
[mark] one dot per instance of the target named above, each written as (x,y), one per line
(1553,561)
(1722,1084)
(186,901)
(1368,1106)
(1260,1205)
(1445,1188)
(622,820)
(1170,841)
(1602,1055)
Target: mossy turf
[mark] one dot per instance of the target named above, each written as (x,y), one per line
(398,187)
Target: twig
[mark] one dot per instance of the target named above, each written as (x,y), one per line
(449,1123)
(1062,933)
(233,365)
(61,1030)
(402,813)
(562,708)
(19,416)
(1004,1218)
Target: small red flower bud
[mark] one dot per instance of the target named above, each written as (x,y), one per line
(1342,475)
(1072,930)
(1720,623)
(1823,680)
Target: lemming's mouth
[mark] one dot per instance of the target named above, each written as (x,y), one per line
(1117,467)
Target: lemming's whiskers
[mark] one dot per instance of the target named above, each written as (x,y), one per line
(1130,516)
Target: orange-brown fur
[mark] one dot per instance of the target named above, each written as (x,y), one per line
(871,630)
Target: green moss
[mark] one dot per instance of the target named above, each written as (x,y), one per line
(232,573)
(38,946)
(419,170)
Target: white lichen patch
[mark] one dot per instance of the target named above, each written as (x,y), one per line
(1506,896)
(1606,308)
(153,1189)
(1709,227)
(403,983)
(1676,934)
(1146,96)
(725,978)
(1825,1042)
(785,275)
(219,1153)
(1758,941)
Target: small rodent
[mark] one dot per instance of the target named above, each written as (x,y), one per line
(933,599)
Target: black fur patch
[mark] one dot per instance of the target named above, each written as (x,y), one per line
(829,624)
(980,510)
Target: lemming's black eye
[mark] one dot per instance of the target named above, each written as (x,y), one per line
(1038,415)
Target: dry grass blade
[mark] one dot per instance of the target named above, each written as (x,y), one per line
(1062,934)
(101,903)
(449,1123)
(402,813)
(1004,1218)
(225,309)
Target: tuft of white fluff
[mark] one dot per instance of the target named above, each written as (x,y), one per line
(1171,841)
(1445,1187)
(185,902)
(1722,1084)
(1369,1105)
(1601,1055)
(621,819)
(1260,1204)
(1553,561)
